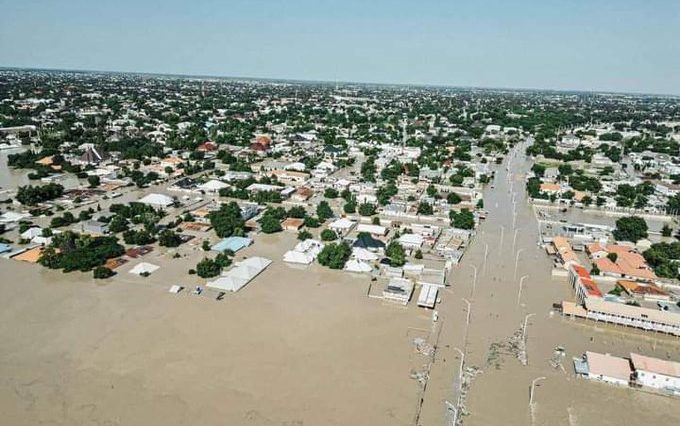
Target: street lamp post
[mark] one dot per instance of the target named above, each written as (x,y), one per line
(531,392)
(521,285)
(474,280)
(486,254)
(514,238)
(502,235)
(453,408)
(467,321)
(460,371)
(517,262)
(524,328)
(450,406)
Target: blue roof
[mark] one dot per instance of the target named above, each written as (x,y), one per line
(232,243)
(5,248)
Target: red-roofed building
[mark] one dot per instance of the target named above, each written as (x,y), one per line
(628,264)
(583,284)
(207,146)
(263,140)
(262,144)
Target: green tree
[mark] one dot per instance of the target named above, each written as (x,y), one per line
(93,181)
(304,235)
(538,169)
(631,228)
(169,238)
(227,220)
(335,255)
(565,169)
(673,204)
(328,235)
(270,224)
(395,252)
(118,224)
(102,272)
(70,251)
(208,268)
(453,198)
(595,270)
(323,211)
(366,209)
(312,222)
(350,207)
(32,195)
(297,212)
(139,238)
(425,208)
(465,219)
(223,260)
(666,230)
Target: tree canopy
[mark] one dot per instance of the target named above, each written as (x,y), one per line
(631,228)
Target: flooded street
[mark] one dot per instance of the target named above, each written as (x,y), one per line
(499,395)
(307,346)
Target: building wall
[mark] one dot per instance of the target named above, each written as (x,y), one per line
(607,379)
(633,322)
(656,380)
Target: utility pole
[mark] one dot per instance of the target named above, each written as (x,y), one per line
(531,392)
(521,284)
(517,262)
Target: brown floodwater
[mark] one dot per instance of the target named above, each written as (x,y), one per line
(499,394)
(296,346)
(306,346)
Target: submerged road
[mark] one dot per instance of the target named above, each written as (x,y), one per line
(500,296)
(485,305)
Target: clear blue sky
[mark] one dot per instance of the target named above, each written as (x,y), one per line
(616,45)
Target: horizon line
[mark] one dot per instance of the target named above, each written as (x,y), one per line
(362,83)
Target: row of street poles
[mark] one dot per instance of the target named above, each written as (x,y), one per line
(456,408)
(521,285)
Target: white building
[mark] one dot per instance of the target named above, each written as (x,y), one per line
(633,316)
(608,368)
(656,373)
(356,265)
(398,290)
(342,226)
(157,200)
(375,230)
(212,186)
(304,252)
(428,296)
(411,241)
(237,277)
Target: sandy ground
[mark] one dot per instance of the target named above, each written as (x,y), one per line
(294,347)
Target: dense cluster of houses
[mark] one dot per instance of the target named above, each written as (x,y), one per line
(633,297)
(618,166)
